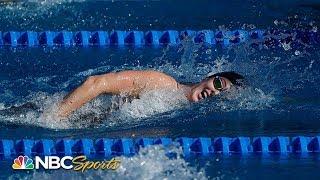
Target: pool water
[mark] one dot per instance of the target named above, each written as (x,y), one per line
(282,95)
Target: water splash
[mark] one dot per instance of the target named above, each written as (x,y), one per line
(39,110)
(153,102)
(247,98)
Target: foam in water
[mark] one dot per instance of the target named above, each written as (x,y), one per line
(153,102)
(150,163)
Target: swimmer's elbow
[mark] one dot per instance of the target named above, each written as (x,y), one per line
(100,83)
(94,81)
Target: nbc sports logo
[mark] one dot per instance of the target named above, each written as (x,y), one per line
(23,162)
(79,163)
(50,162)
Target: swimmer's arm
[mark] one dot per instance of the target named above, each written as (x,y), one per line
(113,83)
(131,83)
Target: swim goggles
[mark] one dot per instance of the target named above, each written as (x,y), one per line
(217,83)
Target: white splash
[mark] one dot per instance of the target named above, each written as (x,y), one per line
(46,115)
(2,106)
(104,110)
(153,102)
(247,98)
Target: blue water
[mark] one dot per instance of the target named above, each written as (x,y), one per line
(282,97)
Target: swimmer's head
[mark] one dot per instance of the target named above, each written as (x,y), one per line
(214,84)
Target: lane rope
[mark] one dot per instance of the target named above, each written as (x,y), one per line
(269,38)
(104,147)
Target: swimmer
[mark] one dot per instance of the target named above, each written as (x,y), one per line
(133,83)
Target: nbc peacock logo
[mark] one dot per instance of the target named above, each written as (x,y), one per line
(23,162)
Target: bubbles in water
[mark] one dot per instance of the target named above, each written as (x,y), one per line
(208,51)
(311,63)
(286,46)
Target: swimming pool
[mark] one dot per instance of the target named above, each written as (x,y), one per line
(282,97)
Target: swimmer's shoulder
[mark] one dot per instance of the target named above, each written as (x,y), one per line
(158,75)
(150,79)
(145,73)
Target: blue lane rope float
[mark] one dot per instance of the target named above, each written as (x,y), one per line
(105,147)
(269,38)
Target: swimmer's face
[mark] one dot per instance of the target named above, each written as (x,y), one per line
(207,88)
